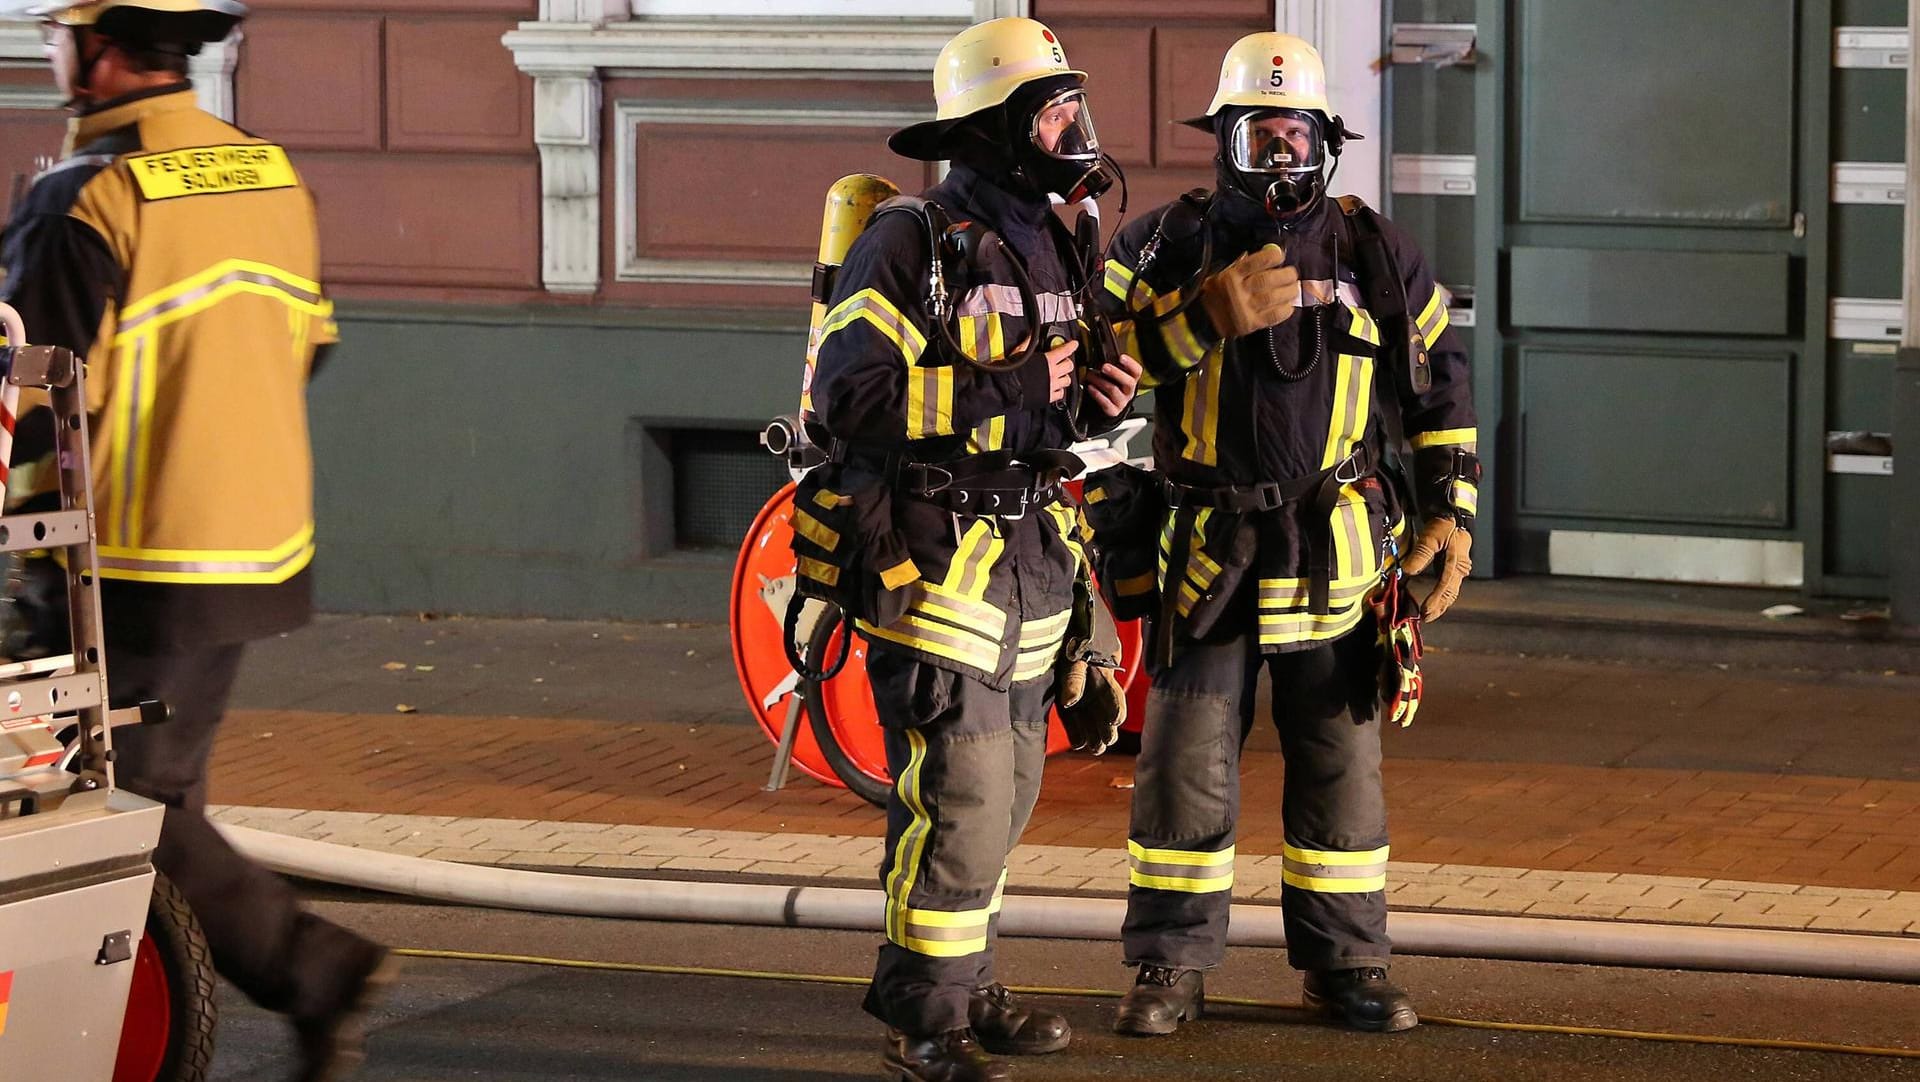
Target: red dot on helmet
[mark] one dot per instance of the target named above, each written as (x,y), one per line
(1279,60)
(1048,34)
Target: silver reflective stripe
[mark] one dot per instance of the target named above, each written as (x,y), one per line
(255,277)
(1180,871)
(1333,871)
(201,567)
(132,449)
(942,934)
(1005,300)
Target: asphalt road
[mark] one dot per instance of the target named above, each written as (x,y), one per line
(511,1022)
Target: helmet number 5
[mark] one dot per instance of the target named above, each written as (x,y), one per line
(1275,80)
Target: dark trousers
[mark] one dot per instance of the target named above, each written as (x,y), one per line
(1186,804)
(283,958)
(966,762)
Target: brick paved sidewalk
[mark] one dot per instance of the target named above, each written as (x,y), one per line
(1706,825)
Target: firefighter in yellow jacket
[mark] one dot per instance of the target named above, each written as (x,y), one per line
(1294,340)
(179,256)
(932,418)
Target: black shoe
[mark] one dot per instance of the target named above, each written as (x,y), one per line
(1361,998)
(332,1040)
(1007,1029)
(953,1056)
(1161,998)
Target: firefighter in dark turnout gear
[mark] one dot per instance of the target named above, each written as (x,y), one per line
(1262,320)
(926,411)
(178,255)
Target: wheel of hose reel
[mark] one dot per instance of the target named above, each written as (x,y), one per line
(822,648)
(168,1032)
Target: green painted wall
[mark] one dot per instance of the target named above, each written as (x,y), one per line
(505,462)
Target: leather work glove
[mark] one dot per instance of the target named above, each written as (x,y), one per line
(1254,292)
(1092,704)
(1442,537)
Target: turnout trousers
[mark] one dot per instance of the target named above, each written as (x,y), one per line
(966,762)
(1186,804)
(283,957)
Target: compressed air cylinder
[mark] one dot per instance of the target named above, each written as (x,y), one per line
(850,202)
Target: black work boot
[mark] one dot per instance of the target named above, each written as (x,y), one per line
(1161,998)
(1362,999)
(953,1056)
(332,1038)
(1007,1029)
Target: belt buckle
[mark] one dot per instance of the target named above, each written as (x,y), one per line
(1269,493)
(929,469)
(1352,460)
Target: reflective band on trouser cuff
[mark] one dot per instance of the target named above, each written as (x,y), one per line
(1334,872)
(941,934)
(1187,871)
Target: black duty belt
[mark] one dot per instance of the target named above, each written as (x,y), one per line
(1008,492)
(1323,487)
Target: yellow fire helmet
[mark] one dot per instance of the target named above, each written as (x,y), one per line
(1269,71)
(201,20)
(979,69)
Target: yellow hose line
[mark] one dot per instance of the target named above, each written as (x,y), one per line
(1233,1001)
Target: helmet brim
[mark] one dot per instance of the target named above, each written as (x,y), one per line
(927,141)
(1199,123)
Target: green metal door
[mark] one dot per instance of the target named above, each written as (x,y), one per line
(1648,217)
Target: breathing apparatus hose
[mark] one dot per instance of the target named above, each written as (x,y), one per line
(797,654)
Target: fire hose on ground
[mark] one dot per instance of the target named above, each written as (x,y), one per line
(1450,935)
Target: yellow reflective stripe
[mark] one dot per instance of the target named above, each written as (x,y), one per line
(1466,497)
(209,566)
(996,432)
(978,616)
(830,499)
(900,574)
(1362,326)
(1119,278)
(913,839)
(1200,415)
(819,570)
(815,531)
(1279,595)
(1138,584)
(983,568)
(176,302)
(1032,668)
(1183,345)
(1194,858)
(1286,629)
(936,639)
(1180,883)
(929,401)
(1468,437)
(1434,310)
(1336,858)
(1325,885)
(114,512)
(1352,399)
(1432,334)
(872,307)
(942,918)
(1183,870)
(1047,629)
